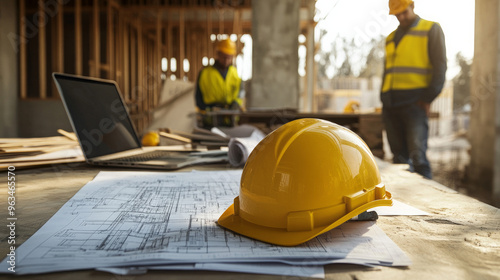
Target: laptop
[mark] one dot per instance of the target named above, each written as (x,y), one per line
(106,133)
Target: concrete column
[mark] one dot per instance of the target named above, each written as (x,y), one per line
(484,131)
(310,58)
(9,80)
(275,77)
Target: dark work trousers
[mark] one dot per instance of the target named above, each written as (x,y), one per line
(407,130)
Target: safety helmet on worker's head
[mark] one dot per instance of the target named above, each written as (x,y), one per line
(226,46)
(302,180)
(398,6)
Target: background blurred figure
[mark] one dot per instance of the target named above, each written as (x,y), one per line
(218,85)
(414,75)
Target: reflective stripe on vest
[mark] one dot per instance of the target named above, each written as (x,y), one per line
(408,66)
(216,90)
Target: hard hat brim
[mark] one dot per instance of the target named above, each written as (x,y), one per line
(282,237)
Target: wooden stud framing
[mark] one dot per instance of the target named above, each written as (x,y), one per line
(158,58)
(110,48)
(42,47)
(134,46)
(78,38)
(60,38)
(22,49)
(140,72)
(126,53)
(133,63)
(209,33)
(170,53)
(96,46)
(182,38)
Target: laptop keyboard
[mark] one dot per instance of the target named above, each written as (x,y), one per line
(145,156)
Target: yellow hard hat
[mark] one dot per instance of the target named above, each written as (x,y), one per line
(226,46)
(302,180)
(398,6)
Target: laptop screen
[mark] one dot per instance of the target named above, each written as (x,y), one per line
(98,115)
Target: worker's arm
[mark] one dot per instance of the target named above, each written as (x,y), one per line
(437,56)
(198,96)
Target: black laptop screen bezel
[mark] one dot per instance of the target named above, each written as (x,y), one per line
(100,139)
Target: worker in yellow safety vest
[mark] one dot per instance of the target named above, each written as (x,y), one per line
(219,85)
(414,75)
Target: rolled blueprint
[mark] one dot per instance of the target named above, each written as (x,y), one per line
(239,148)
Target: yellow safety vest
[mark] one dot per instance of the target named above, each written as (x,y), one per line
(217,90)
(408,66)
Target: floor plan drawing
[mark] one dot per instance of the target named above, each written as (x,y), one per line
(152,218)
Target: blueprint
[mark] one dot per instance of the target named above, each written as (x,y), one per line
(146,219)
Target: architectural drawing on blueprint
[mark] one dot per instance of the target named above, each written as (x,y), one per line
(149,218)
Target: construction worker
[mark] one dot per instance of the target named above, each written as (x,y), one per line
(414,75)
(218,85)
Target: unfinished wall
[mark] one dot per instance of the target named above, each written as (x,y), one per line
(484,132)
(41,118)
(8,69)
(275,31)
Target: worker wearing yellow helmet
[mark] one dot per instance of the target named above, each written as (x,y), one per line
(219,84)
(414,75)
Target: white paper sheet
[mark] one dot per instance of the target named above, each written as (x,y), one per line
(311,271)
(141,219)
(399,208)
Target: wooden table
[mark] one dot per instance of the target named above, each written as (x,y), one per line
(460,240)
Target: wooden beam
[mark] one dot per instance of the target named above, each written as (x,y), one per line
(60,38)
(126,61)
(96,69)
(221,21)
(78,38)
(133,63)
(22,49)
(110,51)
(182,40)
(119,51)
(140,72)
(42,51)
(158,59)
(170,54)
(209,33)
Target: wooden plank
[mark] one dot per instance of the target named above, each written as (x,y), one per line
(221,21)
(60,38)
(23,81)
(118,37)
(126,61)
(140,74)
(182,40)
(209,33)
(174,137)
(133,64)
(158,59)
(169,49)
(78,38)
(95,69)
(42,51)
(110,51)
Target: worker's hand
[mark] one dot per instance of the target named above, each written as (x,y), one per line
(425,106)
(235,106)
